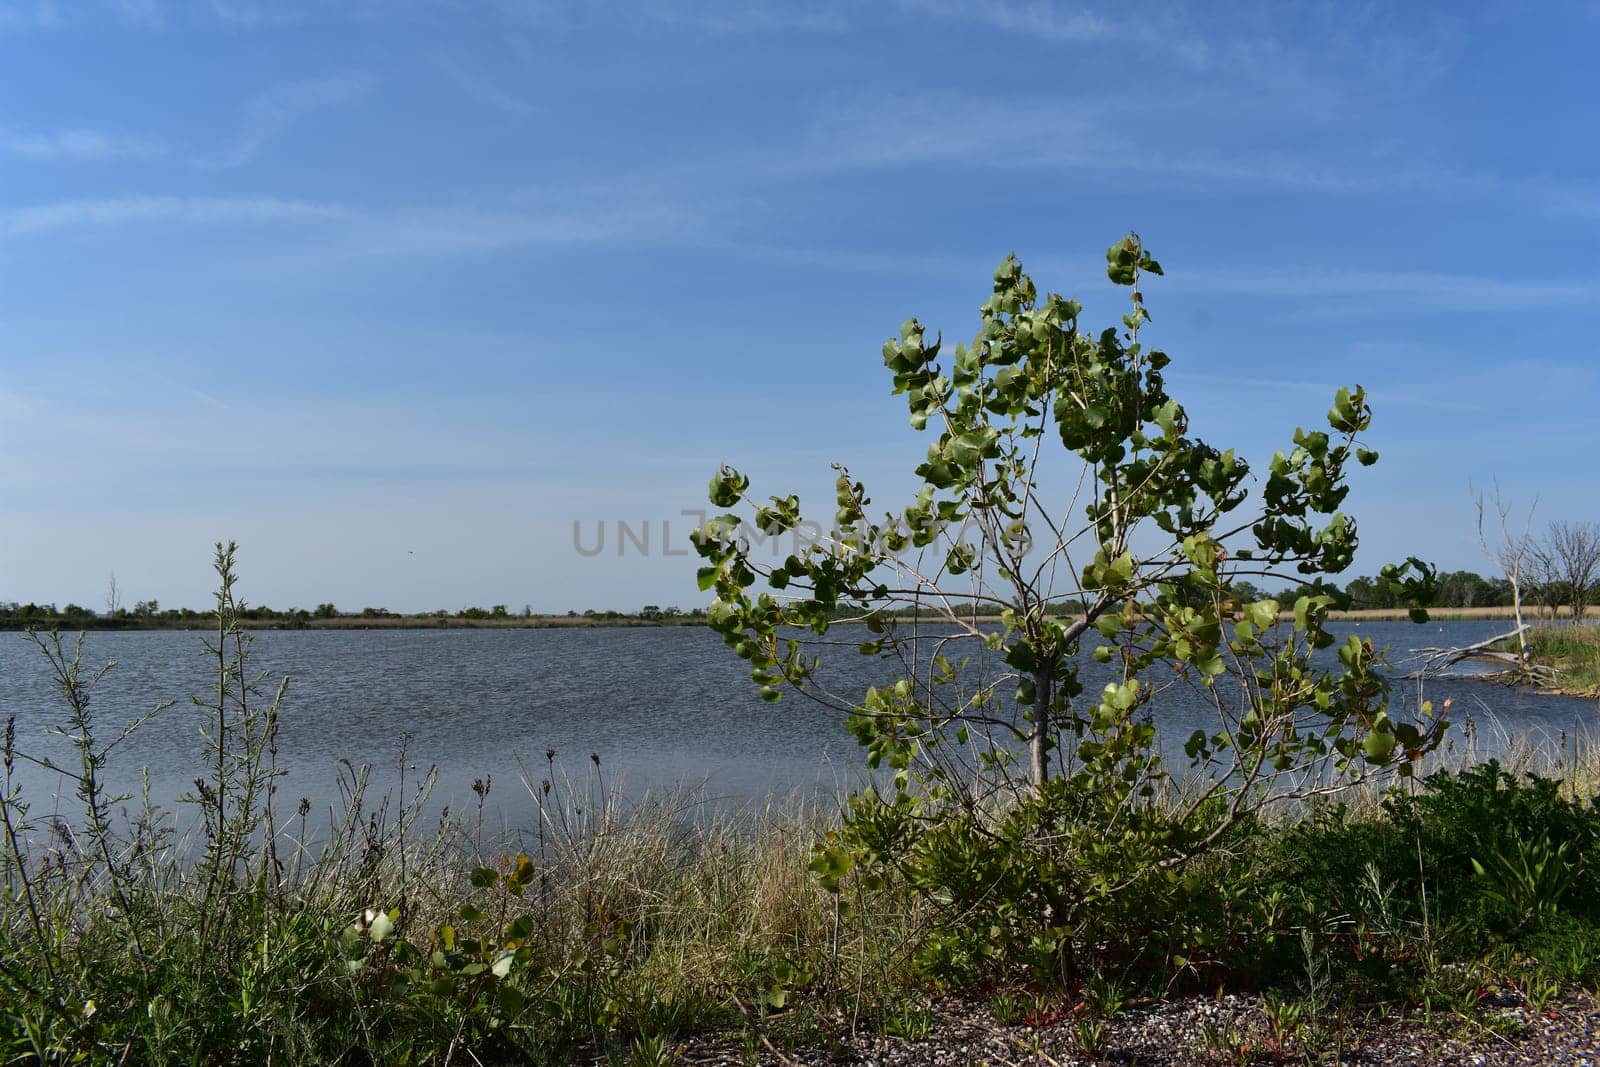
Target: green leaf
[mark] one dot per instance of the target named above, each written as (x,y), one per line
(830,864)
(1378,747)
(727,487)
(1262,613)
(1122,261)
(379,924)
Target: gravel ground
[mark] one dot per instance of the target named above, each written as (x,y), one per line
(1202,1031)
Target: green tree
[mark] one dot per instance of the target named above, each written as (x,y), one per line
(326,611)
(1366,592)
(1466,589)
(1148,538)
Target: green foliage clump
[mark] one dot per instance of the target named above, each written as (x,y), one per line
(1031,809)
(1477,868)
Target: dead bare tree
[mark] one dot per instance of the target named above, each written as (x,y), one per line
(1544,576)
(1511,553)
(1575,547)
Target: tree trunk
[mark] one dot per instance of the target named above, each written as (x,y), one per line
(1516,609)
(1039,745)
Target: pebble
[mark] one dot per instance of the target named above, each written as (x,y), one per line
(1199,1031)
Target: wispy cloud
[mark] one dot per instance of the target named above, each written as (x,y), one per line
(1423,289)
(31,15)
(1091,135)
(896,131)
(251,14)
(1560,199)
(1037,18)
(476,85)
(78,144)
(45,15)
(1381,394)
(140,14)
(723,17)
(533,221)
(121,211)
(205,398)
(268,115)
(713,17)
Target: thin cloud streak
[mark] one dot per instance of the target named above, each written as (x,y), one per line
(1435,290)
(1379,394)
(414,231)
(270,114)
(1085,136)
(139,14)
(482,89)
(717,18)
(1423,290)
(1036,18)
(465,230)
(249,14)
(22,15)
(78,144)
(121,211)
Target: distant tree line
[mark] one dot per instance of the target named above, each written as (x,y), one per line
(1457,589)
(148,614)
(1560,569)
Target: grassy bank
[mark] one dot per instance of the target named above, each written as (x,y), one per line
(240,930)
(1400,614)
(625,933)
(1574,654)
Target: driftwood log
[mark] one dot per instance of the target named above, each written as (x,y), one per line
(1435,660)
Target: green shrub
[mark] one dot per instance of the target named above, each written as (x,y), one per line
(1038,815)
(1475,864)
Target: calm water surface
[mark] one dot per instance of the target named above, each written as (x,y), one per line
(663,707)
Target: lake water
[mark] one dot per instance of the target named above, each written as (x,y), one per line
(662,707)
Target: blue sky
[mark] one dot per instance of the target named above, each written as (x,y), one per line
(395,293)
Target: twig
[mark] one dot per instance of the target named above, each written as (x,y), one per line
(755,1027)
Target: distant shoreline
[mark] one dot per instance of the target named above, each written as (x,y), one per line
(385,622)
(589,622)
